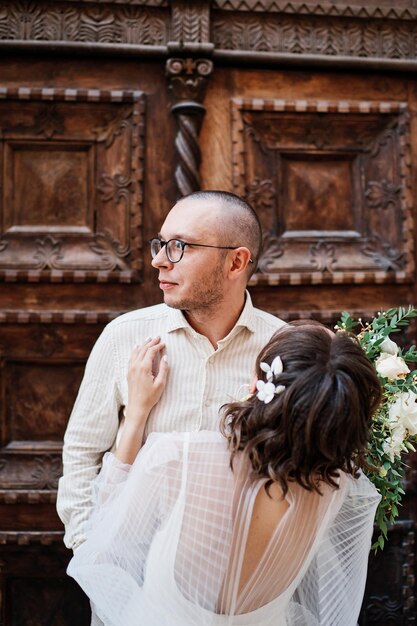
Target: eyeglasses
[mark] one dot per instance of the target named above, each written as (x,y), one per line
(174,248)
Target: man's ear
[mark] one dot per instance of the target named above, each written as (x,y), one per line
(239,261)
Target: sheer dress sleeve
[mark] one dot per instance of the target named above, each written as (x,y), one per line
(331,590)
(131,505)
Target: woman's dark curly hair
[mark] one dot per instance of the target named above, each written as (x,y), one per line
(321,422)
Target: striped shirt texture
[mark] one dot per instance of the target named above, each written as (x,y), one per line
(200,380)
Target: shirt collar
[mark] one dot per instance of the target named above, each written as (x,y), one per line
(177,319)
(247,317)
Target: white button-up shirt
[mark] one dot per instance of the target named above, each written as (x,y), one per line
(200,380)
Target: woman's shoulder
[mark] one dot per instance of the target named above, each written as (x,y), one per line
(361,486)
(349,492)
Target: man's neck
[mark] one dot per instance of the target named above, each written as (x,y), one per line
(216,324)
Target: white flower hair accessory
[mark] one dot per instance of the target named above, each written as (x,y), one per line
(267,390)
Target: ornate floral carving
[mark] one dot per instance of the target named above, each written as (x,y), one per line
(261,194)
(187,81)
(190,21)
(49,341)
(137,27)
(384,254)
(99,25)
(110,251)
(114,187)
(48,252)
(114,127)
(382,195)
(380,141)
(46,121)
(62,24)
(272,249)
(49,122)
(47,471)
(46,21)
(319,134)
(24,21)
(303,35)
(42,472)
(322,256)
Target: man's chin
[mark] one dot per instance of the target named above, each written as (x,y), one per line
(180,303)
(174,303)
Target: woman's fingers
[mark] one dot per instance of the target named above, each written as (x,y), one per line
(142,350)
(161,377)
(139,351)
(146,375)
(152,357)
(146,357)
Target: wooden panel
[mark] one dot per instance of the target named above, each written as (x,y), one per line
(331,183)
(40,377)
(33,582)
(42,180)
(74,148)
(39,398)
(389,599)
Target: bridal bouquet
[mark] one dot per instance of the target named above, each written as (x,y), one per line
(394,428)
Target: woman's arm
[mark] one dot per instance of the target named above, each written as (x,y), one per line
(145,382)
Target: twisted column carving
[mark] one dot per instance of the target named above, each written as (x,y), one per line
(187,81)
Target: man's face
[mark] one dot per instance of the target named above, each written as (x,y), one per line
(198,280)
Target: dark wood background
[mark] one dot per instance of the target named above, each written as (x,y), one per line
(109,111)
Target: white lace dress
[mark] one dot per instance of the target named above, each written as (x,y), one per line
(166,543)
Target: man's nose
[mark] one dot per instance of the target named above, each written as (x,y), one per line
(161,259)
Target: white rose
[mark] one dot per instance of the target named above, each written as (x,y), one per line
(389,346)
(394,445)
(390,366)
(403,412)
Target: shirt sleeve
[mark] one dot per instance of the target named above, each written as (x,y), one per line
(91,431)
(106,487)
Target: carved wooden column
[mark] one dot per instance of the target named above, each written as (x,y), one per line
(187,73)
(188,79)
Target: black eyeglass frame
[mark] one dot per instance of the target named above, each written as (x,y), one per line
(164,243)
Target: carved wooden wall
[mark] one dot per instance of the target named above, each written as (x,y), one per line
(111,110)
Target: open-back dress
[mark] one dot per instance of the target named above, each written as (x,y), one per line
(167,541)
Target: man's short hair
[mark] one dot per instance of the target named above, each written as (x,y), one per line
(240,223)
